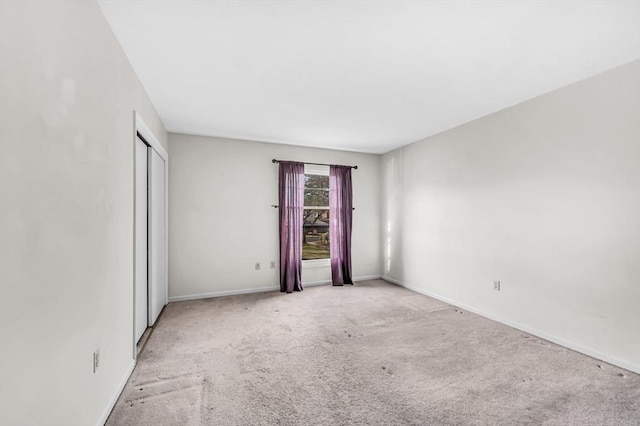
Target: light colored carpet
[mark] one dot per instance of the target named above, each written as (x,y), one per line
(369,354)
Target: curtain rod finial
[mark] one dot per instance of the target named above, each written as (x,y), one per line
(274,161)
(355,167)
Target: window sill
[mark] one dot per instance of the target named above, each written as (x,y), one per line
(316,263)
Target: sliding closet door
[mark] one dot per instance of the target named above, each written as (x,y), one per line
(141,198)
(157,236)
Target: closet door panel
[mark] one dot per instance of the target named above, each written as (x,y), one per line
(157,236)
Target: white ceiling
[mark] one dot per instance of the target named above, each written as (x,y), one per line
(364,76)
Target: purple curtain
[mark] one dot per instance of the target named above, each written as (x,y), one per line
(291,206)
(340,212)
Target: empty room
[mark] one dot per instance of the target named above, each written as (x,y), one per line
(319,212)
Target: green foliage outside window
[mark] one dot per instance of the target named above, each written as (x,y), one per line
(316,218)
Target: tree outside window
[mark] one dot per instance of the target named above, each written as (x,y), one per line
(315,239)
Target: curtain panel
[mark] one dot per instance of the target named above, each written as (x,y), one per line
(291,206)
(340,222)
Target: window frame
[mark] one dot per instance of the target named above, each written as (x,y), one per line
(315,169)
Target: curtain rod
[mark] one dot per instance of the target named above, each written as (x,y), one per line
(274,161)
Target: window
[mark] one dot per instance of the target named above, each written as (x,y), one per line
(315,228)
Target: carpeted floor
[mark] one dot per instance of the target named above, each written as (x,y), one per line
(369,354)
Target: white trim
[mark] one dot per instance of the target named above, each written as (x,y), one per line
(366,278)
(355,280)
(148,135)
(316,263)
(222,293)
(542,334)
(116,394)
(316,169)
(256,290)
(316,283)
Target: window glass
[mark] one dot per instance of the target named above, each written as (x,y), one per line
(315,239)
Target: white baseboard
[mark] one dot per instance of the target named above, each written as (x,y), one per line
(116,394)
(366,278)
(222,293)
(257,289)
(315,283)
(355,280)
(543,335)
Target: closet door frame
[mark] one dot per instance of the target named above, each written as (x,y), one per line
(140,128)
(141,250)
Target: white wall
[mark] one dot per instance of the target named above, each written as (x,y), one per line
(221,221)
(67,95)
(544,196)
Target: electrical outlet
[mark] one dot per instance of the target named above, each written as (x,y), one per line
(496,285)
(96,359)
(273,264)
(257,266)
